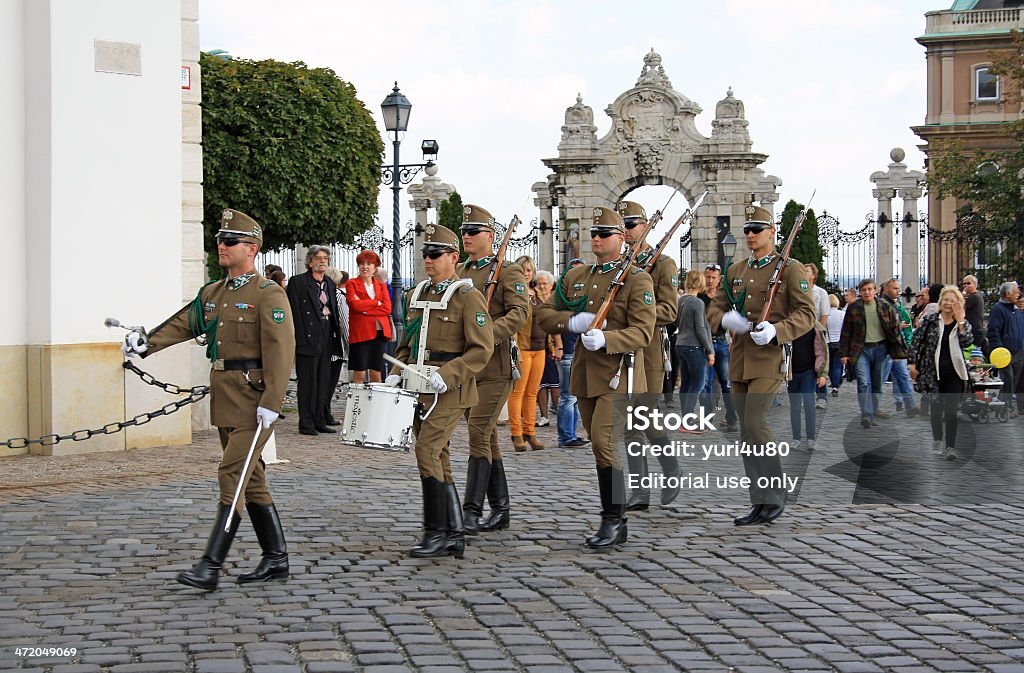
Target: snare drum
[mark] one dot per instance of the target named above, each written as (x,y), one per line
(379,417)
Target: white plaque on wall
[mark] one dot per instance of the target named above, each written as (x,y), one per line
(123,58)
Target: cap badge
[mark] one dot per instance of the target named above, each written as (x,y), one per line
(749,210)
(466,212)
(226,215)
(430,229)
(597,212)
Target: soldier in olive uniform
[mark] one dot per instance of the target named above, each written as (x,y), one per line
(756,354)
(459,342)
(665,276)
(600,374)
(247,325)
(509,311)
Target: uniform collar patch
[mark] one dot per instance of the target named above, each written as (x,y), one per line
(443,285)
(481,263)
(606,267)
(755,263)
(235,283)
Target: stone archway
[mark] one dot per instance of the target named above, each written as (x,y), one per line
(653,140)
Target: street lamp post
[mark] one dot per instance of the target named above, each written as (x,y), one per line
(396,109)
(728,248)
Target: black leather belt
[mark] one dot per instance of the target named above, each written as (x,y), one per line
(237,365)
(440,356)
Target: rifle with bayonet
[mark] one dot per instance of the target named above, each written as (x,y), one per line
(776,279)
(649,266)
(499,260)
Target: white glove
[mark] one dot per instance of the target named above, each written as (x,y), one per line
(438,384)
(134,344)
(581,322)
(266,417)
(735,322)
(593,340)
(764,333)
(393,380)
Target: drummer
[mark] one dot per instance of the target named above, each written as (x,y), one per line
(458,342)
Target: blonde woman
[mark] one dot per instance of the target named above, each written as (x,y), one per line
(549,386)
(522,402)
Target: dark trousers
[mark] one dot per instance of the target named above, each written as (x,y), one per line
(332,385)
(314,382)
(951,390)
(1011,374)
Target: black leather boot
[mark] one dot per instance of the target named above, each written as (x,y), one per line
(478,475)
(669,468)
(435,520)
(613,511)
(267,524)
(456,527)
(497,496)
(751,517)
(204,575)
(640,498)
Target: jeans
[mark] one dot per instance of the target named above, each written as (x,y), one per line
(720,370)
(568,409)
(802,393)
(869,379)
(693,365)
(835,365)
(902,388)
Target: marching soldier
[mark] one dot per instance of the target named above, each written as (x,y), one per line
(448,335)
(247,325)
(601,373)
(509,311)
(665,276)
(756,355)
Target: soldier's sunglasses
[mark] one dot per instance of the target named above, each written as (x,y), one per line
(754,228)
(633,223)
(602,233)
(472,231)
(435,254)
(229,242)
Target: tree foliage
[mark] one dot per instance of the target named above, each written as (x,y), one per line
(449,214)
(290,145)
(988,183)
(807,246)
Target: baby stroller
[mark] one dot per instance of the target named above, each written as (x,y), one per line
(983,401)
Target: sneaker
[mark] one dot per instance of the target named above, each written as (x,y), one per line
(811,444)
(873,422)
(882,414)
(937,446)
(835,392)
(543,421)
(576,443)
(950,453)
(865,422)
(821,403)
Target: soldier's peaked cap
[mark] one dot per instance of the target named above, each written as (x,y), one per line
(477,217)
(439,237)
(760,215)
(236,224)
(606,219)
(631,210)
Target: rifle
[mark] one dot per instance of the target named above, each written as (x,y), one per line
(649,266)
(499,260)
(776,279)
(620,274)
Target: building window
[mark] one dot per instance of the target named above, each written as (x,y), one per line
(988,254)
(986,84)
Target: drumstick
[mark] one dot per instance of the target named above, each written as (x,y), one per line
(401,365)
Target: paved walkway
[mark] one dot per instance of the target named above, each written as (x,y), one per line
(891,560)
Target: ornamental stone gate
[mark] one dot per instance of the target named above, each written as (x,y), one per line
(653,140)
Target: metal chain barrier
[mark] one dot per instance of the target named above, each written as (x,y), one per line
(195,394)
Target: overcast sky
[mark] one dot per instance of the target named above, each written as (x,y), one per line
(830,86)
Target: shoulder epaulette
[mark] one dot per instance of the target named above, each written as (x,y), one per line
(266,283)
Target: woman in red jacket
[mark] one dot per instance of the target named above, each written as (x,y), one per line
(369,319)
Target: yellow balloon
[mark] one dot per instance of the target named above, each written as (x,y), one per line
(1000,357)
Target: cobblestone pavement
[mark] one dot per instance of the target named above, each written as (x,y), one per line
(861,574)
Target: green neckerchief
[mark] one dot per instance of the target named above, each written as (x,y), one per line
(200,328)
(736,304)
(240,281)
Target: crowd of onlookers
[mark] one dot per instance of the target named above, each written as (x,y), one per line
(932,349)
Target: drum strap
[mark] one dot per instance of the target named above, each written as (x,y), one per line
(427,307)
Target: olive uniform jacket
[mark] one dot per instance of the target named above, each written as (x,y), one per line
(509,310)
(745,288)
(630,326)
(665,276)
(253,322)
(460,340)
